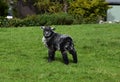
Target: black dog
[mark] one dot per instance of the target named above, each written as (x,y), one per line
(55,41)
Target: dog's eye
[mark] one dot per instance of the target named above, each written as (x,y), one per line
(47,31)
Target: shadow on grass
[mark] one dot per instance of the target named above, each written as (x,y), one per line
(58,59)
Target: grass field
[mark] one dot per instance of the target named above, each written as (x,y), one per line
(23,57)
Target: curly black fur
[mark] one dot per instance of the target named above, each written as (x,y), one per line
(55,41)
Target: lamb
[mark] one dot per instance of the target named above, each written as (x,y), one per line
(55,41)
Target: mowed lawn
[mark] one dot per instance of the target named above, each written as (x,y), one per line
(23,57)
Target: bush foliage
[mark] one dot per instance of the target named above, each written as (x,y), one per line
(49,13)
(38,20)
(88,11)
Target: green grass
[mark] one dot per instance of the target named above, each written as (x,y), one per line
(23,57)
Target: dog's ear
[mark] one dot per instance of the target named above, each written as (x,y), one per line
(42,27)
(52,28)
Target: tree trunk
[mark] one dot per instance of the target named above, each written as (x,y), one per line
(65,6)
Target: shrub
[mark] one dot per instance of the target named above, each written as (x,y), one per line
(4,22)
(61,19)
(15,22)
(88,11)
(49,19)
(38,20)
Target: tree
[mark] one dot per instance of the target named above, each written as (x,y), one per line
(86,10)
(48,6)
(52,6)
(3,8)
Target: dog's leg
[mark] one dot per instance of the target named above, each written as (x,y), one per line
(74,55)
(65,57)
(51,55)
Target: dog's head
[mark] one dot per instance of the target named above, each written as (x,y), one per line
(47,31)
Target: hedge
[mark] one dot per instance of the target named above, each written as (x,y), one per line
(38,20)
